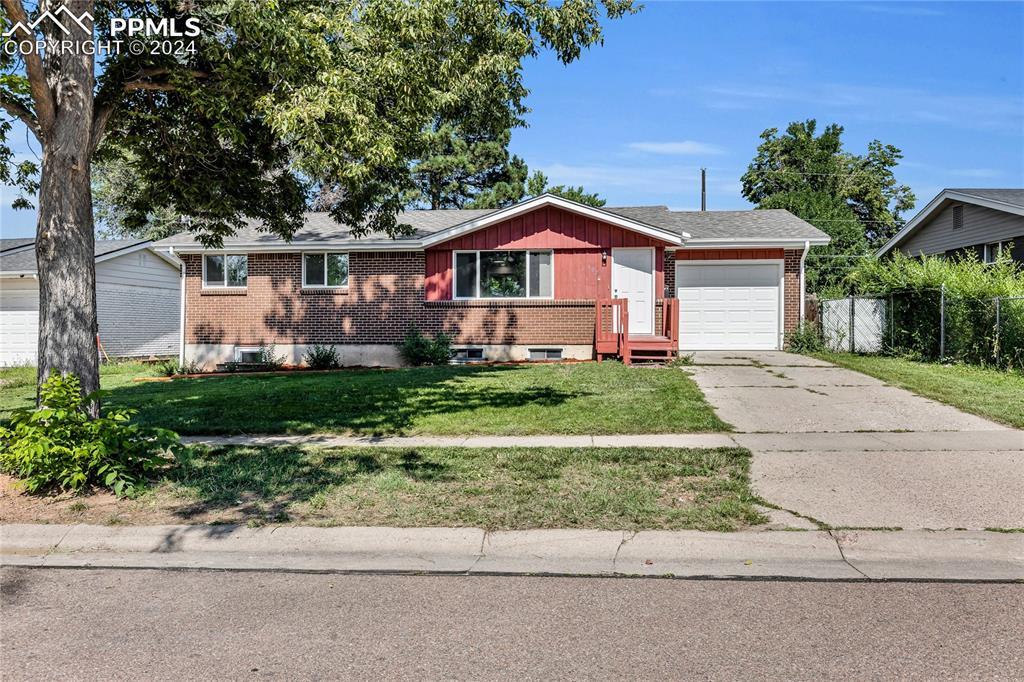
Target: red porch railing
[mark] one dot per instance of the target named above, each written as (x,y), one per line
(611,329)
(612,338)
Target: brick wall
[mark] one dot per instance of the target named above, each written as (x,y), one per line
(384,297)
(791,298)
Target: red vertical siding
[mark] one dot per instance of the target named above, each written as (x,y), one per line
(578,242)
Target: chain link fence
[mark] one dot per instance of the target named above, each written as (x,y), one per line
(929,324)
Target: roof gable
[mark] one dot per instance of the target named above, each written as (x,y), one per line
(545,200)
(1008,200)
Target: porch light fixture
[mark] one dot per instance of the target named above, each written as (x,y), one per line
(604,258)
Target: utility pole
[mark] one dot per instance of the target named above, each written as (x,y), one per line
(703,190)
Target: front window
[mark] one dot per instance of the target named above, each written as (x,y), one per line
(325,270)
(503,274)
(225,270)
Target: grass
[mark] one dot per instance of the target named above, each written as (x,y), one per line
(990,393)
(582,398)
(507,488)
(18,384)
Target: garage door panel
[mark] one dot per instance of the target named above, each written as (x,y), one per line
(19,322)
(728,306)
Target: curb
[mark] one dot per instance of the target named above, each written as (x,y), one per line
(797,555)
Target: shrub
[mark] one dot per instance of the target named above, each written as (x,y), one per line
(269,357)
(805,339)
(59,445)
(417,349)
(171,367)
(913,290)
(322,357)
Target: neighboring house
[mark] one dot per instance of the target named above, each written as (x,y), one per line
(985,221)
(518,283)
(138,300)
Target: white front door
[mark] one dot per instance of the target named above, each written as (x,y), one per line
(633,279)
(728,305)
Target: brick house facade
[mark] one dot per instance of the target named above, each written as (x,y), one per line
(389,291)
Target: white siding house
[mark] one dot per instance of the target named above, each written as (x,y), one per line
(138,299)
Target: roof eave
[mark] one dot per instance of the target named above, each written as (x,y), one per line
(559,202)
(934,204)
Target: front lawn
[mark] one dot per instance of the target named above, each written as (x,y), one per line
(989,393)
(581,398)
(507,488)
(18,384)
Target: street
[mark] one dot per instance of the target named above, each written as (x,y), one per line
(149,624)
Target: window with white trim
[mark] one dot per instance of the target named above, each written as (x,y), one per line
(992,251)
(504,274)
(230,270)
(325,270)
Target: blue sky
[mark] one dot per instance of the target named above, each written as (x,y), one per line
(687,84)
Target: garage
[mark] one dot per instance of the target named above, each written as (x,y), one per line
(732,305)
(19,321)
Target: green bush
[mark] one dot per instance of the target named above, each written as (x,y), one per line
(171,367)
(913,289)
(417,349)
(269,357)
(681,360)
(322,357)
(805,339)
(59,445)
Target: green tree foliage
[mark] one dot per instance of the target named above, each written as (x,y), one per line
(458,165)
(270,100)
(114,203)
(855,199)
(523,186)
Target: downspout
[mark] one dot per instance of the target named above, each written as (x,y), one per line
(181,313)
(803,282)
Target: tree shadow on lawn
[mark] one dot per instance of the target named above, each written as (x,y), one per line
(262,484)
(371,402)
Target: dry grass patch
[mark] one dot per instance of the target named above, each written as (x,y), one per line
(506,488)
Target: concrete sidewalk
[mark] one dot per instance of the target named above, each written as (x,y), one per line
(1006,440)
(821,555)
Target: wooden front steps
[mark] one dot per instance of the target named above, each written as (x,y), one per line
(612,339)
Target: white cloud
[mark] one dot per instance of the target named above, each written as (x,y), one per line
(884,103)
(976,172)
(683,148)
(903,8)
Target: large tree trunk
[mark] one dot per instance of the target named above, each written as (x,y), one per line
(64,232)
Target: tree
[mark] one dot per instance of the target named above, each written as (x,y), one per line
(117,204)
(459,165)
(855,199)
(257,103)
(521,185)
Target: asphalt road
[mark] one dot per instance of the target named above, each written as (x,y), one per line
(119,624)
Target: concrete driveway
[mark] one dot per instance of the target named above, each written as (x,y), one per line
(851,451)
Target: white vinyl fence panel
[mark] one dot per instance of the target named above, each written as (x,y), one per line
(855,325)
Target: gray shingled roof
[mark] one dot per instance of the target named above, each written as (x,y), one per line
(1014,197)
(321,227)
(736,225)
(24,260)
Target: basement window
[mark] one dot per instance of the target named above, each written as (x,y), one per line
(545,353)
(248,354)
(469,355)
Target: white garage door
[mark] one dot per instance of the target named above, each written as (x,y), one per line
(19,321)
(726,306)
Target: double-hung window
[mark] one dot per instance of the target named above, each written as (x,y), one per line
(328,270)
(230,270)
(504,274)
